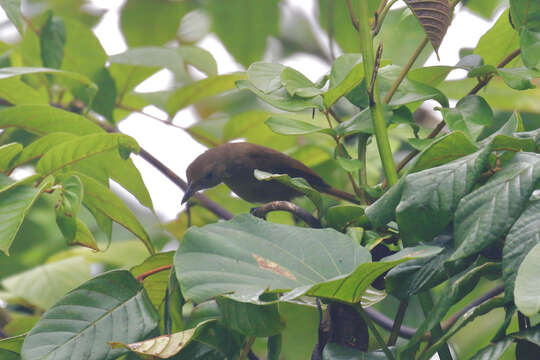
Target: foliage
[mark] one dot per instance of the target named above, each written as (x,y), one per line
(84,272)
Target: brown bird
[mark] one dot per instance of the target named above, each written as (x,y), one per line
(234,164)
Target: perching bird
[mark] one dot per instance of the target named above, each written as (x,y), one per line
(234,164)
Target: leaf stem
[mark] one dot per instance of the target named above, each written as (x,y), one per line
(397,322)
(376,333)
(427,306)
(246,348)
(368,55)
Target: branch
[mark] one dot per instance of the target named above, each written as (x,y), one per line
(294,209)
(144,275)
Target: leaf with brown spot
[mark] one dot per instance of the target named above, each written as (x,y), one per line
(272,266)
(434,16)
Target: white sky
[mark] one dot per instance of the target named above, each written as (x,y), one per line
(177,149)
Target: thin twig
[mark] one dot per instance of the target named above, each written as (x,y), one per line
(354,21)
(375,332)
(146,274)
(294,209)
(397,322)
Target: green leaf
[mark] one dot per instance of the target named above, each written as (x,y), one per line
(483,8)
(298,184)
(530,48)
(409,91)
(471,114)
(484,215)
(519,78)
(383,210)
(155,284)
(7,154)
(247,255)
(43,291)
(526,290)
(202,89)
(335,351)
(52,41)
(17,92)
(343,85)
(66,155)
(45,119)
(281,99)
(251,319)
(523,236)
(105,101)
(287,126)
(71,326)
(265,76)
(430,75)
(340,217)
(83,237)
(454,291)
(502,34)
(13,12)
(13,343)
(430,197)
(525,14)
(37,148)
(9,72)
(493,351)
(297,84)
(199,58)
(146,23)
(100,200)
(15,203)
(349,165)
(443,150)
(254,23)
(67,209)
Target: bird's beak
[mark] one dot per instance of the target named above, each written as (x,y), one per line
(189,193)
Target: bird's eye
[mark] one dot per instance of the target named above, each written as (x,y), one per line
(209,176)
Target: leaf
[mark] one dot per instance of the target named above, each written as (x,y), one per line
(9,72)
(340,217)
(530,48)
(287,126)
(67,208)
(153,56)
(13,343)
(434,16)
(335,351)
(45,119)
(146,23)
(430,197)
(37,148)
(519,78)
(493,351)
(15,203)
(487,213)
(525,14)
(353,78)
(454,291)
(297,84)
(255,22)
(100,200)
(155,284)
(299,184)
(443,150)
(350,165)
(526,290)
(105,101)
(246,256)
(523,236)
(52,42)
(165,346)
(199,58)
(281,99)
(13,12)
(7,153)
(251,319)
(471,114)
(503,35)
(430,75)
(202,89)
(83,237)
(265,76)
(67,154)
(86,318)
(40,287)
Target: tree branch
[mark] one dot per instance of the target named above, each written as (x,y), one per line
(294,209)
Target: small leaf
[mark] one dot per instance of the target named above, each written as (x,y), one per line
(527,291)
(350,165)
(434,16)
(153,56)
(99,199)
(297,84)
(52,42)
(265,76)
(353,78)
(199,90)
(13,12)
(68,328)
(471,114)
(199,58)
(519,78)
(287,126)
(340,217)
(7,153)
(530,48)
(155,284)
(15,203)
(83,237)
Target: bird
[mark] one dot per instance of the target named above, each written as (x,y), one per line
(234,164)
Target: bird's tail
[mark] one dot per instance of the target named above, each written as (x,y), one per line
(343,195)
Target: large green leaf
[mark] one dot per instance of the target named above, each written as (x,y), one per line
(40,286)
(254,23)
(15,203)
(470,115)
(81,324)
(506,38)
(199,90)
(102,202)
(52,41)
(247,255)
(521,239)
(487,213)
(44,119)
(526,290)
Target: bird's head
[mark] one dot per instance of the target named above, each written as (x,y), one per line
(204,172)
